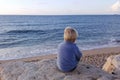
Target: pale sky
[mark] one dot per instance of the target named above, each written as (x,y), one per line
(59,7)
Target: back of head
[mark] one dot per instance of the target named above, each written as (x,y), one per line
(70,34)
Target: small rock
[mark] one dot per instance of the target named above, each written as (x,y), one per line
(112,65)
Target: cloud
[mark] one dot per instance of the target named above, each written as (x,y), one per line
(116,6)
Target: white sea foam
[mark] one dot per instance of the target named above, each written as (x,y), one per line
(89,47)
(24,52)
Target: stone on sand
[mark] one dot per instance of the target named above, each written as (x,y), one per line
(112,65)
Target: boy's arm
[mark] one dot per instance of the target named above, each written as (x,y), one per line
(78,54)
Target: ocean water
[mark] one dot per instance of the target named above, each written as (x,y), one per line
(28,36)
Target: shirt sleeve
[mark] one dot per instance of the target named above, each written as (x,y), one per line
(78,54)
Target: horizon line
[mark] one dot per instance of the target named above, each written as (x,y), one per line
(52,14)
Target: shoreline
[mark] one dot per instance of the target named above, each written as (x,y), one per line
(99,51)
(105,50)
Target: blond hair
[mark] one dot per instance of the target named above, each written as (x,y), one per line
(70,34)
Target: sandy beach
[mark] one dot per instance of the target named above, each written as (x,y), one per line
(95,57)
(98,57)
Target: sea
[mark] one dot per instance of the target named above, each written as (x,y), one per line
(23,36)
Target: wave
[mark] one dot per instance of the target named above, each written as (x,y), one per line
(32,25)
(24,52)
(11,43)
(116,41)
(25,31)
(33,31)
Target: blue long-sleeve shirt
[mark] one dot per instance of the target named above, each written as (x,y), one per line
(68,56)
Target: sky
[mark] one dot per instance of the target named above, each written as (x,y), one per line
(59,7)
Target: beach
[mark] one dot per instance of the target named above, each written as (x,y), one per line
(44,67)
(95,57)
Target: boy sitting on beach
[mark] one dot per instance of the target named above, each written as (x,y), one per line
(68,53)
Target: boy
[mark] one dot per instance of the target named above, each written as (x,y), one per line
(68,53)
